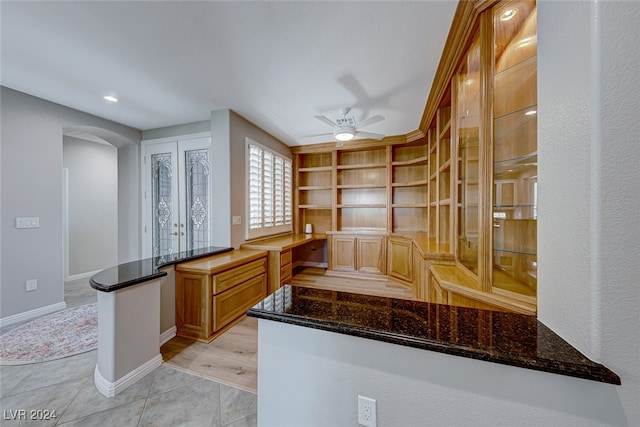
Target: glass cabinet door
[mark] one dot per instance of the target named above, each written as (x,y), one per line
(468,135)
(515,149)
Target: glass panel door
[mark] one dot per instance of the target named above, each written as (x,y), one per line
(177,197)
(515,149)
(164,200)
(197,199)
(468,134)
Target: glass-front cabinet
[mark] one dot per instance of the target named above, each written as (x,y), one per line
(467,82)
(514,199)
(494,90)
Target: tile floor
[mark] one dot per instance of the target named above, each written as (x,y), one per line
(165,397)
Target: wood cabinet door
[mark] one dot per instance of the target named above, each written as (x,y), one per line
(371,255)
(192,305)
(401,259)
(343,253)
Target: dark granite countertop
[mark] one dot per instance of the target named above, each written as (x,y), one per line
(493,336)
(134,272)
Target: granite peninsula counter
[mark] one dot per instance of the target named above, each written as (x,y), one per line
(494,336)
(133,299)
(135,272)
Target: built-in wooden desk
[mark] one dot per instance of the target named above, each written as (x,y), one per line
(280,255)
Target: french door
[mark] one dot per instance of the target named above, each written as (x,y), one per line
(176,197)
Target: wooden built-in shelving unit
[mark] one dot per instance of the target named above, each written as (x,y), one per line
(460,192)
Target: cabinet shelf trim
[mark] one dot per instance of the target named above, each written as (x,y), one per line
(356,205)
(362,166)
(314,187)
(409,205)
(316,169)
(315,207)
(410,184)
(412,162)
(347,186)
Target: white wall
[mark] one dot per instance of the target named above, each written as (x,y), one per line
(31,185)
(588,288)
(92,205)
(312,378)
(589,169)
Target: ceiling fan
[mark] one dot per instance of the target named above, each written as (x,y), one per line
(346,129)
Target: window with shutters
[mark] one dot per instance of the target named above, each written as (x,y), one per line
(269,191)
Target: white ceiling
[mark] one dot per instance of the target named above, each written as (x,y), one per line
(275,63)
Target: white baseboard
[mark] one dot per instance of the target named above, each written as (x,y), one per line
(109,389)
(32,314)
(168,334)
(79,276)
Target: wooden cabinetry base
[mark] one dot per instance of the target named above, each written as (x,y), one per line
(214,293)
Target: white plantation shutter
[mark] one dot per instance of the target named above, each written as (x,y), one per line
(279,190)
(269,191)
(255,187)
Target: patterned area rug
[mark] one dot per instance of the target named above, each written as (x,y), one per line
(61,334)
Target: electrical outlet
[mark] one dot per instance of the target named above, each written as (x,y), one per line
(366,411)
(31,285)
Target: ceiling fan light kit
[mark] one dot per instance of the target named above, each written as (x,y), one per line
(344,134)
(345,127)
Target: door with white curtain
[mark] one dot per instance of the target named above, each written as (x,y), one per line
(176,196)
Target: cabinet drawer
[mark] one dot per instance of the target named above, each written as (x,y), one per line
(230,278)
(285,257)
(285,272)
(230,304)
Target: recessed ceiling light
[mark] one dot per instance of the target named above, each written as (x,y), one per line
(530,113)
(508,14)
(110,98)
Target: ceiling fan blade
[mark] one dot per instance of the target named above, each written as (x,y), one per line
(318,134)
(370,121)
(324,119)
(371,135)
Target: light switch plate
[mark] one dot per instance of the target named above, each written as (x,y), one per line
(28,222)
(236,220)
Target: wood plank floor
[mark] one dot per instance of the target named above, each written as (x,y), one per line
(232,358)
(312,277)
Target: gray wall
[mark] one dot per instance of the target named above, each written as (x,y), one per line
(178,130)
(221,178)
(240,128)
(31,185)
(92,205)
